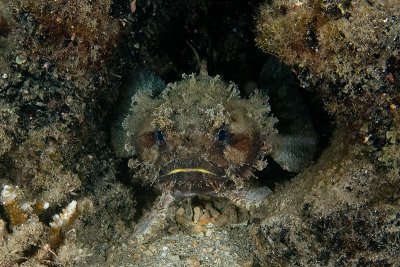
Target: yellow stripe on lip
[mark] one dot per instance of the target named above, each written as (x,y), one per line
(174,171)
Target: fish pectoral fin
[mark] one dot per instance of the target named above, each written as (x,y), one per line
(154,221)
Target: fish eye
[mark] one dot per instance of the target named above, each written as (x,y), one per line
(159,136)
(222,135)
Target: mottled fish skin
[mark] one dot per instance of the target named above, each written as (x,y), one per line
(197,137)
(199,123)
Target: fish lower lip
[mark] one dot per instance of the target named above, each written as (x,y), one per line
(179,170)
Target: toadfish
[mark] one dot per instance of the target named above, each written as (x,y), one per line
(198,136)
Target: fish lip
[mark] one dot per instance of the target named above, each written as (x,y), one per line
(186,170)
(193,179)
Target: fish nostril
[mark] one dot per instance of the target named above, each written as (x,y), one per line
(187,139)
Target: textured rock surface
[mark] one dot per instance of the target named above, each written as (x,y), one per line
(344,209)
(340,211)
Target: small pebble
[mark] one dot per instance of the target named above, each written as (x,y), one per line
(205,218)
(196,214)
(199,235)
(213,212)
(21,59)
(208,233)
(193,262)
(69,100)
(173,258)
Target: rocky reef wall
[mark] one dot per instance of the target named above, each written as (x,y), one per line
(62,64)
(344,210)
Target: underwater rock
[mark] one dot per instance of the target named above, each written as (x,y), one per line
(342,210)
(347,52)
(73,38)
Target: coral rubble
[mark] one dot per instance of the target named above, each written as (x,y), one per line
(31,241)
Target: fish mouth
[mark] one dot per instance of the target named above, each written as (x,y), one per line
(188,170)
(193,179)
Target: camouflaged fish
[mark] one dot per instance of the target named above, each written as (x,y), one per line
(197,136)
